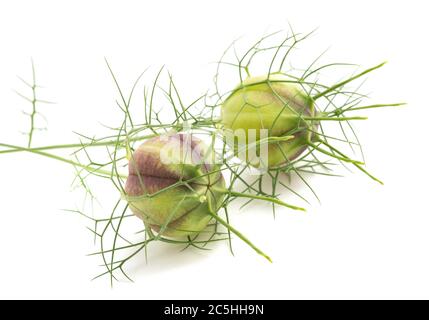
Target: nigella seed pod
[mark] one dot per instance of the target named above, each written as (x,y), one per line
(268,111)
(172,186)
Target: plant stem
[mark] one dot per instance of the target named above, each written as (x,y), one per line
(72,145)
(335,119)
(357,165)
(238,234)
(55,157)
(33,103)
(342,158)
(376,106)
(263,198)
(342,83)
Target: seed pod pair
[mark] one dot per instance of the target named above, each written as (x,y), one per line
(170,180)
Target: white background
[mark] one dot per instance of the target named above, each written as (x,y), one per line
(363,241)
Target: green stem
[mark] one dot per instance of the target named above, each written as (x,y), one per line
(33,103)
(335,119)
(72,145)
(238,234)
(263,198)
(355,164)
(342,83)
(376,106)
(55,157)
(13,149)
(342,157)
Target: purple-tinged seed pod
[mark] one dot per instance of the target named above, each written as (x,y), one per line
(170,183)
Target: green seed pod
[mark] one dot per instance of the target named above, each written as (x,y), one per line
(271,111)
(171,183)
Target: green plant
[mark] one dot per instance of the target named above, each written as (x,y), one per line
(293,105)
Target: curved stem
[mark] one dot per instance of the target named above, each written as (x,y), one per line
(355,164)
(342,158)
(263,198)
(342,83)
(376,106)
(237,233)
